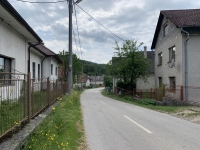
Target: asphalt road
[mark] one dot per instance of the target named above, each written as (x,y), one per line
(114,125)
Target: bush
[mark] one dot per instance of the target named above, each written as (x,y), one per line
(146,102)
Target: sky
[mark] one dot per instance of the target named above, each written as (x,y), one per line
(128,19)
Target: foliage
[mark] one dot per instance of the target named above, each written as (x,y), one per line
(124,85)
(108,81)
(76,65)
(146,102)
(62,129)
(93,69)
(129,64)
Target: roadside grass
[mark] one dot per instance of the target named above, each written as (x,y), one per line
(146,103)
(62,129)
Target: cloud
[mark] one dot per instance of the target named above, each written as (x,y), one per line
(129,19)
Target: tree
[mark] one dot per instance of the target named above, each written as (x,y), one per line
(108,81)
(129,63)
(76,65)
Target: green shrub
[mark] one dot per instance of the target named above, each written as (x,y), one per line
(146,102)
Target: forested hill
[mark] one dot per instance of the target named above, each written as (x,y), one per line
(93,69)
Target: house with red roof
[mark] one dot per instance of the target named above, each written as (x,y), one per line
(176,43)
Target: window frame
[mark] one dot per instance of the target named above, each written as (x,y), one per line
(160,81)
(172,53)
(165,29)
(160,58)
(7,69)
(56,71)
(38,72)
(172,84)
(51,69)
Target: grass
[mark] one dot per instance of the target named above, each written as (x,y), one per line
(147,103)
(62,129)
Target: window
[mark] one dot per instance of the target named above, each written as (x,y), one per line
(165,30)
(172,53)
(172,83)
(56,71)
(5,66)
(160,55)
(38,72)
(33,69)
(51,69)
(160,83)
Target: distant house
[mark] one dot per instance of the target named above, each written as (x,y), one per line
(177,51)
(84,80)
(97,80)
(150,83)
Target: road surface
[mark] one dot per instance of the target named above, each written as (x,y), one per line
(114,125)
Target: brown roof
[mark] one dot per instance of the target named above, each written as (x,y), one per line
(181,18)
(45,51)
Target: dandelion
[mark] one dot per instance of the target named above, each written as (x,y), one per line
(16,123)
(46,134)
(52,138)
(62,144)
(29,147)
(53,108)
(60,99)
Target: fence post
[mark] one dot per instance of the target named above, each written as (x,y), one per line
(133,92)
(151,93)
(56,88)
(48,91)
(155,93)
(181,96)
(29,95)
(141,93)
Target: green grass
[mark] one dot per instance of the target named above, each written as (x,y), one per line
(147,103)
(62,129)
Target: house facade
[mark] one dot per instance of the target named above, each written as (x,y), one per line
(177,52)
(16,37)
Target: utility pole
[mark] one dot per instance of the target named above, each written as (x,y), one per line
(70,49)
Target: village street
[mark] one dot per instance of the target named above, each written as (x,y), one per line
(114,125)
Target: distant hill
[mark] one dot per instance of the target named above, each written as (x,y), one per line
(92,69)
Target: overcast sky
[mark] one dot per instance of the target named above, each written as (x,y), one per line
(129,19)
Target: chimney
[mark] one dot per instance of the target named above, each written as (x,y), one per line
(145,51)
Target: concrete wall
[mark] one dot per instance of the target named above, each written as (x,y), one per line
(146,85)
(174,38)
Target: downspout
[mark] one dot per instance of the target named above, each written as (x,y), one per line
(186,64)
(29,49)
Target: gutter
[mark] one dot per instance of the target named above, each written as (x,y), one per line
(186,63)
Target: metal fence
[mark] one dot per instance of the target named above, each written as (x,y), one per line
(22,98)
(176,93)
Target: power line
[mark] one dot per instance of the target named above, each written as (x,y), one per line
(78,31)
(42,2)
(47,22)
(100,23)
(37,20)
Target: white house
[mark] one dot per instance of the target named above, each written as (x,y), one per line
(16,37)
(177,52)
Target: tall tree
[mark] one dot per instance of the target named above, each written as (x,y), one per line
(77,67)
(129,63)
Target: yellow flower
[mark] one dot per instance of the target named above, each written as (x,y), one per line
(52,138)
(62,144)
(60,99)
(16,123)
(53,108)
(46,134)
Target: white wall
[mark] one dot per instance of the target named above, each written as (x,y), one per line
(14,46)
(47,68)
